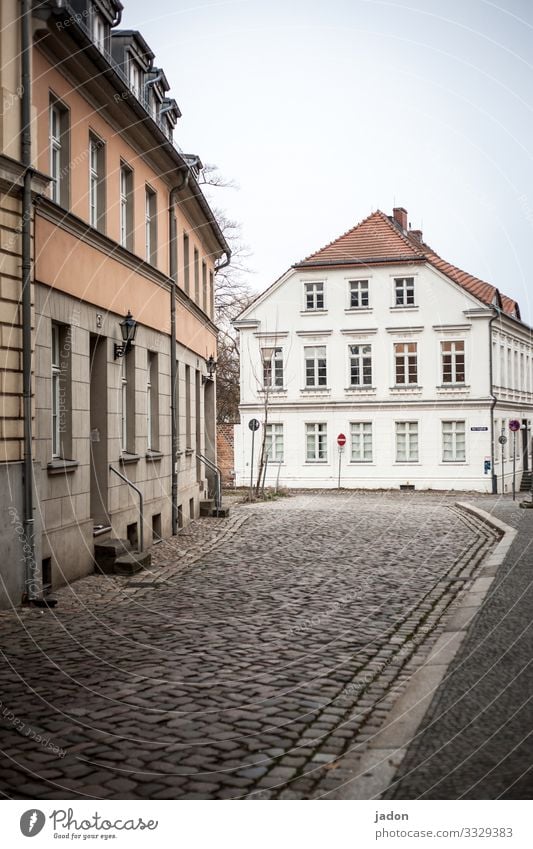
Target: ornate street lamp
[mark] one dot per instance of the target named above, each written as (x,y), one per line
(128,329)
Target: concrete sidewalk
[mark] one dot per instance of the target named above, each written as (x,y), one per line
(475,741)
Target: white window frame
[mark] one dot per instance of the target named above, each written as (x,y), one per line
(314,291)
(149,366)
(99,30)
(360,359)
(150,225)
(453,354)
(456,429)
(273,369)
(134,76)
(361,290)
(274,442)
(56,144)
(408,430)
(56,390)
(405,288)
(318,371)
(361,442)
(318,433)
(403,358)
(126,193)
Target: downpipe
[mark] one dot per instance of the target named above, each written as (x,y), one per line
(492,407)
(33,587)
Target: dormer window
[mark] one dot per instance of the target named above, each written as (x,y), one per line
(99,31)
(134,77)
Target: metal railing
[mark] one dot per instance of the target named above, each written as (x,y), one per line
(218,478)
(141,504)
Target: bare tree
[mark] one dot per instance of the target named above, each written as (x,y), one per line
(233,293)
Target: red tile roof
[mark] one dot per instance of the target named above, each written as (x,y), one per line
(379,239)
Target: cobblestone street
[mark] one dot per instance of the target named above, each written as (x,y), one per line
(254,659)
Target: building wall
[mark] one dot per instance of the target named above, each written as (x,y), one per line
(226,452)
(443,312)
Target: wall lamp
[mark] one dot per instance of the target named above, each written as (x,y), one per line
(211,368)
(128,328)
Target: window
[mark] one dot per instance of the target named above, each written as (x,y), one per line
(59,152)
(274,442)
(151,225)
(123,405)
(96,182)
(361,435)
(406,442)
(152,396)
(314,296)
(61,401)
(127,402)
(126,207)
(316,442)
(135,77)
(358,294)
(315,366)
(360,365)
(404,291)
(204,286)
(272,367)
(405,361)
(211,293)
(453,442)
(186,255)
(56,391)
(188,408)
(99,31)
(453,362)
(196,276)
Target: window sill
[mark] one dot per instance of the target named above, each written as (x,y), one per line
(453,387)
(357,389)
(407,463)
(361,463)
(314,312)
(273,390)
(316,462)
(316,390)
(126,458)
(58,466)
(353,310)
(453,463)
(406,387)
(154,455)
(404,308)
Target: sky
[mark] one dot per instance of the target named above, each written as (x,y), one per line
(324,110)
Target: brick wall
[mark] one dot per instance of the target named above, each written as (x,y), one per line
(225,452)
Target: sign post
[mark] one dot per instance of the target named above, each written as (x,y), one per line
(502,439)
(341,442)
(514,426)
(253,424)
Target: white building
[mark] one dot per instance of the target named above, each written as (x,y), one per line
(419,364)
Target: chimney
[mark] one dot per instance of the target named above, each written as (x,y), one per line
(400,216)
(416,234)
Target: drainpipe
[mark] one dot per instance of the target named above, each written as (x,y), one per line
(492,406)
(173,268)
(225,263)
(32,584)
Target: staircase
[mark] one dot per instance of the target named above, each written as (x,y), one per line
(117,557)
(525,485)
(207,508)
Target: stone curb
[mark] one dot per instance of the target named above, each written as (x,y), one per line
(385,752)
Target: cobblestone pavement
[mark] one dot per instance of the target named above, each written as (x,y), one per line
(475,740)
(253,661)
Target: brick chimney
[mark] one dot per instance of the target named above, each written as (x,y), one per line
(400,216)
(416,234)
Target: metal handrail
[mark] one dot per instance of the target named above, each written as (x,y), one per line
(218,488)
(141,503)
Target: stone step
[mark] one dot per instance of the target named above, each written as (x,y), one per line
(106,552)
(222,513)
(132,562)
(206,506)
(525,483)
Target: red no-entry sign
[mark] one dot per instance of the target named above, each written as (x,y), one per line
(514,425)
(341,440)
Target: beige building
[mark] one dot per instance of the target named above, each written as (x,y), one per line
(109,214)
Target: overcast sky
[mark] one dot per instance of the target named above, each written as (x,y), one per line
(325,110)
